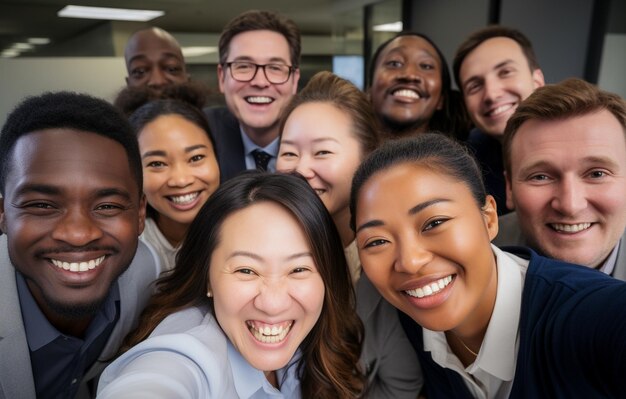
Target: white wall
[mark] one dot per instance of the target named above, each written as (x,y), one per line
(100,76)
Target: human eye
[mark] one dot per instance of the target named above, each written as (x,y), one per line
(321,153)
(109,209)
(376,242)
(138,73)
(288,154)
(39,208)
(174,69)
(156,164)
(300,270)
(197,158)
(393,63)
(504,72)
(434,223)
(596,174)
(427,66)
(276,67)
(538,177)
(242,66)
(472,87)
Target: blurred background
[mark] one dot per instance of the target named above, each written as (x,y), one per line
(41,50)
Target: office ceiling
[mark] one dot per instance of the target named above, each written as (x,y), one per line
(23,19)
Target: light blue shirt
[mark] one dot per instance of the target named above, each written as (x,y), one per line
(188,356)
(249,146)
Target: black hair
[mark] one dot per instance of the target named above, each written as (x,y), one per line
(431,150)
(68,110)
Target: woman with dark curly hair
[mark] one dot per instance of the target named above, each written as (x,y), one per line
(259,304)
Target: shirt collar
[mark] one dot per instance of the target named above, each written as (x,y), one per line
(498,353)
(249,381)
(609,264)
(249,145)
(39,331)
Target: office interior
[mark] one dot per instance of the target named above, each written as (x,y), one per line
(572,38)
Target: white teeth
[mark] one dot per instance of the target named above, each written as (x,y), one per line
(259,100)
(501,109)
(78,266)
(570,228)
(430,289)
(269,335)
(406,93)
(184,199)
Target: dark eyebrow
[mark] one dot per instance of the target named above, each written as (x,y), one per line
(110,192)
(195,147)
(161,153)
(420,207)
(503,63)
(37,188)
(257,257)
(417,208)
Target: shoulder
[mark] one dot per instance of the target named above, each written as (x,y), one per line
(193,354)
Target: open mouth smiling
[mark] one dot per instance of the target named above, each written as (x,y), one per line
(431,288)
(183,199)
(259,100)
(82,266)
(569,228)
(269,333)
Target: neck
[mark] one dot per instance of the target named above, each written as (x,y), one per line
(173,231)
(261,136)
(397,130)
(271,378)
(468,336)
(342,222)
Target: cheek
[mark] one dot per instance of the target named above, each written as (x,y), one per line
(152,183)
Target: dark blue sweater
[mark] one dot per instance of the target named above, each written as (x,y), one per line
(572,337)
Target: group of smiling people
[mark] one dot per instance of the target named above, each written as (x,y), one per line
(364,266)
(387,287)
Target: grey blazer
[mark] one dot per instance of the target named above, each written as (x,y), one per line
(16,377)
(511,234)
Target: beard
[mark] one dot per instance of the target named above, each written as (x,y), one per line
(80,311)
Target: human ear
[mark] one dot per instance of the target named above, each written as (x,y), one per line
(490,215)
(509,192)
(538,78)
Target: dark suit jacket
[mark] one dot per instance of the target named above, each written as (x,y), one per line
(16,377)
(510,234)
(227,134)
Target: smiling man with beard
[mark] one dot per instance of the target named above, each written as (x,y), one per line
(258,74)
(72,211)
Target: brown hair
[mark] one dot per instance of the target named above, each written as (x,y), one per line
(569,98)
(261,20)
(330,352)
(326,87)
(477,38)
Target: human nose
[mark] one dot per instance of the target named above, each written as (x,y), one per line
(77,228)
(305,167)
(410,72)
(180,176)
(273,297)
(492,90)
(259,78)
(570,198)
(411,256)
(157,78)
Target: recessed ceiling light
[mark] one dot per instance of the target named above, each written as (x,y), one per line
(38,40)
(390,27)
(117,14)
(9,53)
(196,51)
(22,46)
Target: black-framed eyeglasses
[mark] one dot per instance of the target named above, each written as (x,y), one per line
(244,71)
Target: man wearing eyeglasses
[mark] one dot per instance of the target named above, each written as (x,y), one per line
(258,74)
